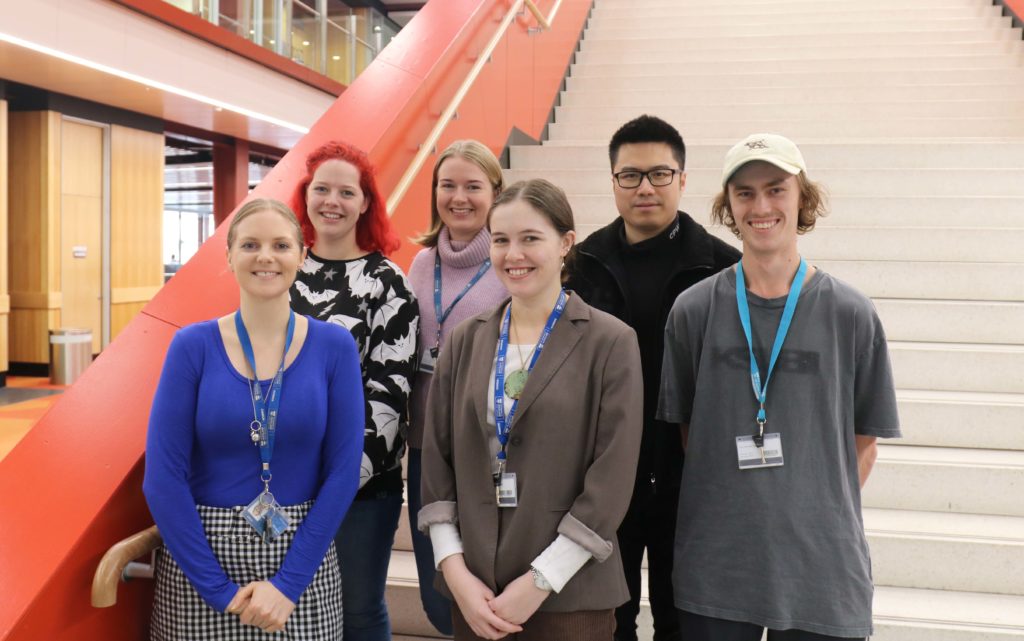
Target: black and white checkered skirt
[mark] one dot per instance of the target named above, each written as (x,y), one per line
(180,614)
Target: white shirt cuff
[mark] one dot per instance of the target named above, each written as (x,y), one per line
(445,539)
(559,562)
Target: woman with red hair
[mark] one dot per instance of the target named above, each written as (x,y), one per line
(346,279)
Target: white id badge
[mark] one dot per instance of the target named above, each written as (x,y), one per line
(428,359)
(749,455)
(506,490)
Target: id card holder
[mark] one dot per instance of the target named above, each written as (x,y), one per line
(256,512)
(506,490)
(749,455)
(428,359)
(276,522)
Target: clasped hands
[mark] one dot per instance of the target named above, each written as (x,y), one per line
(261,605)
(490,616)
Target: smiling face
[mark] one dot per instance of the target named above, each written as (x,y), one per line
(334,200)
(765,203)
(527,251)
(265,254)
(647,210)
(463,197)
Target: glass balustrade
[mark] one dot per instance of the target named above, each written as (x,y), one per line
(327,36)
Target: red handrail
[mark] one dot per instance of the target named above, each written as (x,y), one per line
(72,487)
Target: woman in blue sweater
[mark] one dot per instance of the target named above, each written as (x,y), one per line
(252,456)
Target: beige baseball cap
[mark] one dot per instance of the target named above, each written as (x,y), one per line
(770,148)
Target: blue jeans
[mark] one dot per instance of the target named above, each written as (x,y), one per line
(364,543)
(437,607)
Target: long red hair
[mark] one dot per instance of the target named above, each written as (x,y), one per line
(373,229)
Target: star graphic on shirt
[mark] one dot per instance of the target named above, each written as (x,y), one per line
(329,273)
(363,307)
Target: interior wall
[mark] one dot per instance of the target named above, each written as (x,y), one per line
(136,222)
(51,180)
(33,233)
(5,299)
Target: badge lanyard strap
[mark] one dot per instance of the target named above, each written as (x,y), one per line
(761,391)
(501,424)
(443,315)
(266,408)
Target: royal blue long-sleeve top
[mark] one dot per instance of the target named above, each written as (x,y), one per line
(199,451)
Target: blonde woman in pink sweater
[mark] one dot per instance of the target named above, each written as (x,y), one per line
(452,280)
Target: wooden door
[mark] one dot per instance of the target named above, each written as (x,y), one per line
(81,238)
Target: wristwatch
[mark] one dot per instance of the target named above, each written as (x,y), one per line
(540,581)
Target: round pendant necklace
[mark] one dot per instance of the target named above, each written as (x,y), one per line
(515,382)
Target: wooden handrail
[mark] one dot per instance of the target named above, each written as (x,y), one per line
(541,20)
(111,569)
(427,147)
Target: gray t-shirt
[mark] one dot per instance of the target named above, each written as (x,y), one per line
(780,547)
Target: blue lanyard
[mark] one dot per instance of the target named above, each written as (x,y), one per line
(761,391)
(264,408)
(501,425)
(442,316)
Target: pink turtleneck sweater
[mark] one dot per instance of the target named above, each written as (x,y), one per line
(459,263)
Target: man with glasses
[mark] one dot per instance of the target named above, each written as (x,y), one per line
(634,268)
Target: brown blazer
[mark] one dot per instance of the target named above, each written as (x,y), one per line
(573,446)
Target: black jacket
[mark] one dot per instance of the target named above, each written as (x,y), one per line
(597,273)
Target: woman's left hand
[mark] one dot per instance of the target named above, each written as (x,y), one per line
(268,609)
(519,601)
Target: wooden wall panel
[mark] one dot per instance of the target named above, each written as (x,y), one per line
(5,299)
(33,239)
(121,314)
(136,218)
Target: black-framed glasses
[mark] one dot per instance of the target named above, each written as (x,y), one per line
(631,178)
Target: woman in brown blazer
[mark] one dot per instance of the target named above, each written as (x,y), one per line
(532,436)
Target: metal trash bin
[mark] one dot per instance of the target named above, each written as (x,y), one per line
(70,354)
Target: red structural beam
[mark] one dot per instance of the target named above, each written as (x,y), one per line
(72,487)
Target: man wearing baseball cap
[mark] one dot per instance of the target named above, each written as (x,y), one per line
(779,377)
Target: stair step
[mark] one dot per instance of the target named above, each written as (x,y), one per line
(958,367)
(403,598)
(644,99)
(693,79)
(867,18)
(995,127)
(945,154)
(950,321)
(881,181)
(949,480)
(962,419)
(930,550)
(691,56)
(952,281)
(709,27)
(768,43)
(968,108)
(909,614)
(782,11)
(782,5)
(773,64)
(949,211)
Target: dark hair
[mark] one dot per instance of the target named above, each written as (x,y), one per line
(373,229)
(648,128)
(475,152)
(258,205)
(548,200)
(813,205)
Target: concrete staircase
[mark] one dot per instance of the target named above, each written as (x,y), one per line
(911,112)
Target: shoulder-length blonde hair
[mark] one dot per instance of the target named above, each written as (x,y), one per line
(475,152)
